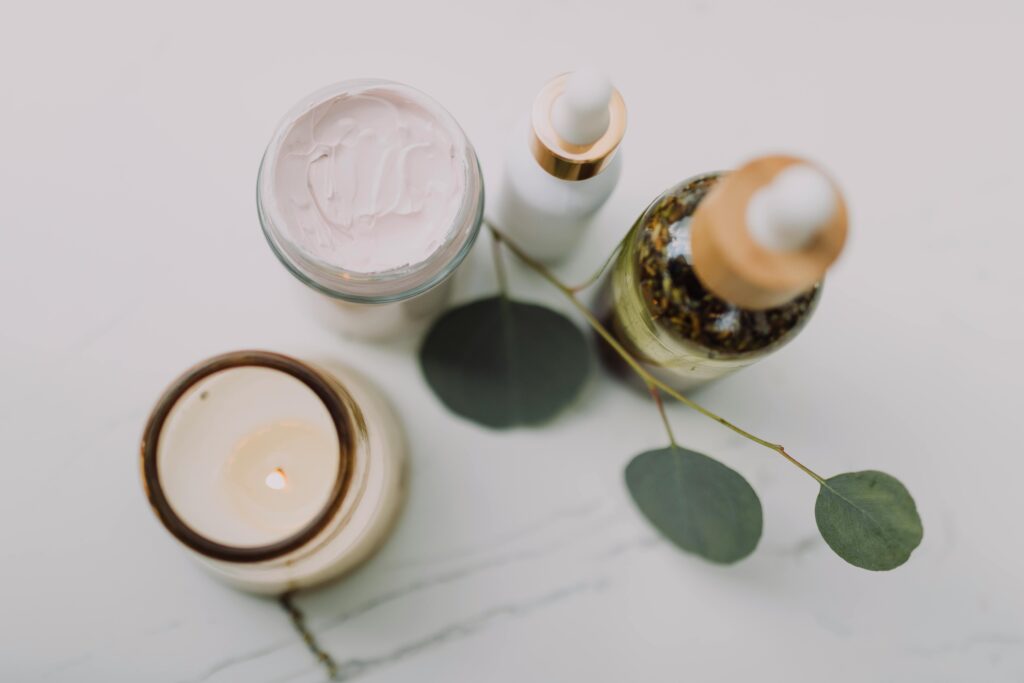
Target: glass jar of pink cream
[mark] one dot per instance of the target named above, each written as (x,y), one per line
(371,195)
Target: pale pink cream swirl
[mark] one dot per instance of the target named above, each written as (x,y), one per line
(370,181)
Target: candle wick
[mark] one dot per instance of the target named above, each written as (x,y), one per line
(276,479)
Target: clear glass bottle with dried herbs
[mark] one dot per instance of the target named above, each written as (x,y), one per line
(723,269)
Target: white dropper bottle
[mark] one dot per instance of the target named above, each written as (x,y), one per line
(562,164)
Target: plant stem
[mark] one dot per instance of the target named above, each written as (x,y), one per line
(653,383)
(600,271)
(656,394)
(499,264)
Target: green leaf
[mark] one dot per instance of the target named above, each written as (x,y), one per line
(698,503)
(869,519)
(504,363)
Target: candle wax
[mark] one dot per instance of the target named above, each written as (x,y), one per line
(249,456)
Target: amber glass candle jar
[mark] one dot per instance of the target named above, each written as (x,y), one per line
(275,473)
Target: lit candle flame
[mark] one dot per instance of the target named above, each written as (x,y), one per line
(276,479)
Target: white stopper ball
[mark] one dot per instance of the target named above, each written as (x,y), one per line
(788,212)
(580,114)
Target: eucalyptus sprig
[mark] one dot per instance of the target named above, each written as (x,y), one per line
(503,363)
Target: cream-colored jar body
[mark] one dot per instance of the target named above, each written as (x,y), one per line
(375,321)
(367,513)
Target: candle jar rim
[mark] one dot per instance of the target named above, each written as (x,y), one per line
(339,414)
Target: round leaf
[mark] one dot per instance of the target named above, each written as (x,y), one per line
(698,503)
(504,363)
(869,519)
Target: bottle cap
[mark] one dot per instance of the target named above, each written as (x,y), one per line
(578,121)
(767,232)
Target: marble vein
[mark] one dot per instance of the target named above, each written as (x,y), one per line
(250,655)
(64,666)
(441,579)
(584,510)
(627,546)
(351,669)
(997,640)
(416,586)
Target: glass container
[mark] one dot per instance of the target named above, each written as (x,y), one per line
(384,302)
(275,473)
(657,307)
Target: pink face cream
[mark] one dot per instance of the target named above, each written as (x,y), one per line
(370,180)
(370,192)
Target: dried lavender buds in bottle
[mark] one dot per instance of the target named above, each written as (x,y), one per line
(662,312)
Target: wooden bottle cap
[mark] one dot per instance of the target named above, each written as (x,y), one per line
(736,266)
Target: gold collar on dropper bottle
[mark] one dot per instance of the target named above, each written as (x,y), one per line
(561,158)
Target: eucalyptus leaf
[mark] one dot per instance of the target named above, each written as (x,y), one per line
(504,363)
(869,519)
(698,503)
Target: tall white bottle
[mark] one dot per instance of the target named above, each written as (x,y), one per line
(561,165)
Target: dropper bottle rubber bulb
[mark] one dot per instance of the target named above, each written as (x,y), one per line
(562,164)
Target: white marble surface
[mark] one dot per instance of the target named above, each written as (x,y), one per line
(128,152)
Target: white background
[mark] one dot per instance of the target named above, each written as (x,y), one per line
(130,139)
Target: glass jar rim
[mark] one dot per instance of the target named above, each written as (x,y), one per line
(149,455)
(383,286)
